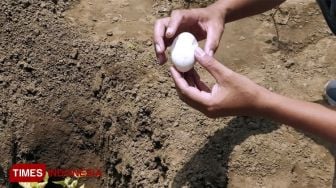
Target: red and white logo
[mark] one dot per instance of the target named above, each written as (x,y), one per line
(27,173)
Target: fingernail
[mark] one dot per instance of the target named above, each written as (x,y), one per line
(199,52)
(158,48)
(169,32)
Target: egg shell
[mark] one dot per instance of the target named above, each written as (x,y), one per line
(183,51)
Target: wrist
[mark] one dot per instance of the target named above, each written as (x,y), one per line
(220,9)
(225,7)
(266,102)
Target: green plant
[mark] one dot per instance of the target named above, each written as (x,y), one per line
(35,184)
(68,183)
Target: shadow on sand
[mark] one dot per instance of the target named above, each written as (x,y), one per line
(209,166)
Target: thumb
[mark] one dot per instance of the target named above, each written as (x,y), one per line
(215,68)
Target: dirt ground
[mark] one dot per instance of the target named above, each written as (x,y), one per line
(80,88)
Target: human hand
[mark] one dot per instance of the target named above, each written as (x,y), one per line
(233,94)
(203,23)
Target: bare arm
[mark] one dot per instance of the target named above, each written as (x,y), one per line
(311,117)
(234,94)
(237,9)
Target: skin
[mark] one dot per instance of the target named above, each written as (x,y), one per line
(205,23)
(234,94)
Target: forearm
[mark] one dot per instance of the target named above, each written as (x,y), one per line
(236,9)
(307,116)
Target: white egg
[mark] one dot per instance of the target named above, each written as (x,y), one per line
(183,51)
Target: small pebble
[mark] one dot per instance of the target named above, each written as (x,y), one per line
(242,38)
(2,59)
(37,32)
(115,19)
(109,33)
(149,43)
(74,54)
(43,5)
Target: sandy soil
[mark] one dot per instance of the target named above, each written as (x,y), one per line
(80,87)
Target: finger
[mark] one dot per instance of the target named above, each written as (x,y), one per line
(159,33)
(174,23)
(215,68)
(214,34)
(179,80)
(191,93)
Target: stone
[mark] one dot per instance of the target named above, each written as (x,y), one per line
(74,54)
(115,19)
(242,38)
(149,43)
(289,64)
(2,58)
(109,33)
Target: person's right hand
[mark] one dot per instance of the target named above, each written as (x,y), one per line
(204,23)
(233,94)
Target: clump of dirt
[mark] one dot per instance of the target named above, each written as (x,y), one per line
(81,89)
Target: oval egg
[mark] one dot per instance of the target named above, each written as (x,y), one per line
(183,51)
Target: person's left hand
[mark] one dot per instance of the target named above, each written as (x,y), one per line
(204,23)
(233,94)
